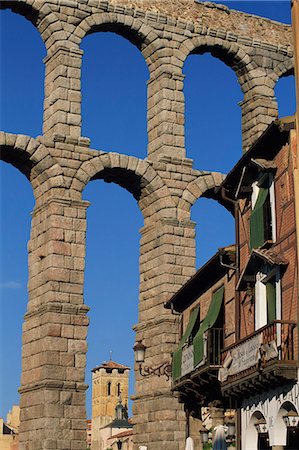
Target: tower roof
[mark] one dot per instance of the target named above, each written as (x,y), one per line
(111,365)
(120,423)
(121,419)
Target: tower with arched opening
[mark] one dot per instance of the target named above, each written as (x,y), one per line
(110,383)
(60,163)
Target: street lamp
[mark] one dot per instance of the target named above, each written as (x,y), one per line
(291,419)
(139,352)
(231,427)
(204,435)
(231,430)
(261,426)
(163,369)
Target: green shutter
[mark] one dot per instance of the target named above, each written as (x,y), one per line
(271,300)
(177,355)
(257,225)
(207,323)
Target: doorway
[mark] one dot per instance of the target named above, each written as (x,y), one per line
(263,441)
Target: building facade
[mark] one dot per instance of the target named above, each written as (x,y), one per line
(88,433)
(9,430)
(248,304)
(207,307)
(260,370)
(110,382)
(60,163)
(118,434)
(126,439)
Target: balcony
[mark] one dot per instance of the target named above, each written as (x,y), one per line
(199,385)
(265,358)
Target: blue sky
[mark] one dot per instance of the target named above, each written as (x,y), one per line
(114,79)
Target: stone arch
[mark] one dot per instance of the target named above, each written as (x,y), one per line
(281,70)
(279,433)
(32,159)
(133,174)
(138,33)
(44,19)
(203,186)
(251,78)
(229,53)
(23,8)
(284,68)
(251,435)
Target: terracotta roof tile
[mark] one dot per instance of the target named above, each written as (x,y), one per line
(270,256)
(259,255)
(122,434)
(111,365)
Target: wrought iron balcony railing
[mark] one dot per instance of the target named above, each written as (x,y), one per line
(198,385)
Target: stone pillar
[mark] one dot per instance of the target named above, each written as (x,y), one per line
(195,426)
(54,333)
(166,106)
(217,415)
(258,111)
(167,253)
(62,105)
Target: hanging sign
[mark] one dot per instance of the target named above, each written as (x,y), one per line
(187,360)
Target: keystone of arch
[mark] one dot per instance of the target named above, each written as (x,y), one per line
(203,186)
(137,32)
(135,175)
(32,159)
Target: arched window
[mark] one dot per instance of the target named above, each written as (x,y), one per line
(109,388)
(118,390)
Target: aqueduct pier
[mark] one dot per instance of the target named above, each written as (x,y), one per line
(59,164)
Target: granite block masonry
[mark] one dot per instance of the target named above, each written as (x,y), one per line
(59,164)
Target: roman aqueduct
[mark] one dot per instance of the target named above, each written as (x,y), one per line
(59,164)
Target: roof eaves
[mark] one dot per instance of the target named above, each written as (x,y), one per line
(263,255)
(274,136)
(199,282)
(110,365)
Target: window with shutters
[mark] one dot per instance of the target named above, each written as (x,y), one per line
(267,297)
(262,219)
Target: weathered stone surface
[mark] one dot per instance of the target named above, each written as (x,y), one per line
(165,186)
